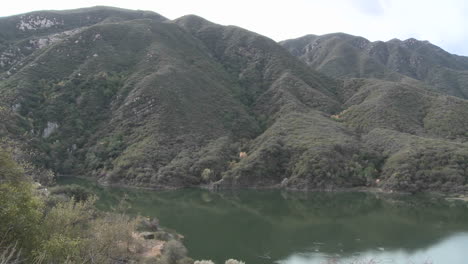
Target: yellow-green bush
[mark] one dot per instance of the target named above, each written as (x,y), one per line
(20,210)
(70,231)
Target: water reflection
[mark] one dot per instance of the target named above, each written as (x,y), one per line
(261,227)
(452,250)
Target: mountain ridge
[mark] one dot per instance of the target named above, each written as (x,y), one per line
(134,98)
(344,55)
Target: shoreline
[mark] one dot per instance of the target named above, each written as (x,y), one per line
(374,190)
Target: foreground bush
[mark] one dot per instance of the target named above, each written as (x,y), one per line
(68,231)
(10,255)
(20,210)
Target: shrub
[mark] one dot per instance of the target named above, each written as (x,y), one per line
(75,191)
(233,261)
(111,237)
(207,175)
(9,254)
(162,235)
(20,210)
(204,262)
(148,224)
(173,251)
(70,231)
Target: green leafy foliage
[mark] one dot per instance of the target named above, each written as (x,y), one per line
(21,210)
(39,228)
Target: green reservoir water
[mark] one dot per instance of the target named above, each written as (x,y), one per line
(271,226)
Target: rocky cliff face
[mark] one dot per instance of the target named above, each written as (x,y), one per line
(130,97)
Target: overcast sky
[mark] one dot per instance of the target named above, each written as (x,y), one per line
(442,22)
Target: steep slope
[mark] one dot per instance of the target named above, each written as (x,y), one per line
(400,110)
(401,107)
(261,65)
(160,104)
(342,55)
(416,163)
(133,98)
(21,35)
(422,136)
(127,101)
(301,148)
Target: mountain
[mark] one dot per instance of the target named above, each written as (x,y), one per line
(130,97)
(341,55)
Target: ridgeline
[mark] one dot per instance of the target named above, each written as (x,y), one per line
(130,97)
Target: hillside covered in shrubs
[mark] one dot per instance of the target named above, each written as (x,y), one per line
(132,98)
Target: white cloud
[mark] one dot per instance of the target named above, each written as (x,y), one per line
(441,22)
